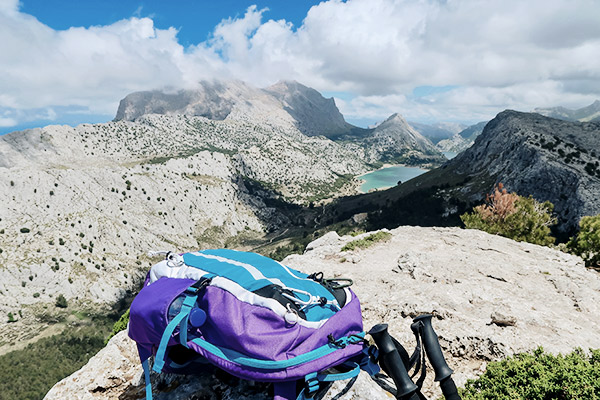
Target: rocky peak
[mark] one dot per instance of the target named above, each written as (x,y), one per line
(315,114)
(286,102)
(394,120)
(395,140)
(211,99)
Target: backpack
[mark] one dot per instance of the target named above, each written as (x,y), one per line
(252,317)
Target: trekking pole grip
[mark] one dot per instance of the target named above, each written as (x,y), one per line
(435,356)
(405,387)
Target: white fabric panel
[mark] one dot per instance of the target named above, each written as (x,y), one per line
(185,272)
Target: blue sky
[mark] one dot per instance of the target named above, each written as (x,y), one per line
(194,19)
(67,62)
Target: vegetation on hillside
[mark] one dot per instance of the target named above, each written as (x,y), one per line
(539,376)
(587,242)
(36,368)
(523,219)
(367,241)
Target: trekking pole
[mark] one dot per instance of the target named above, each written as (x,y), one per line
(405,387)
(433,350)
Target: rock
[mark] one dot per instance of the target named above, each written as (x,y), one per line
(464,277)
(500,318)
(114,370)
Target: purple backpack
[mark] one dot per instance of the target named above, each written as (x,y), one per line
(252,317)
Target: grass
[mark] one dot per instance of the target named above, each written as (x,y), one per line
(367,241)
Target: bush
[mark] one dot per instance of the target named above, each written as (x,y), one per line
(25,230)
(539,375)
(119,326)
(587,242)
(523,219)
(61,302)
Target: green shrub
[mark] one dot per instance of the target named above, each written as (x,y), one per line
(119,326)
(539,376)
(61,302)
(587,242)
(367,241)
(25,230)
(523,219)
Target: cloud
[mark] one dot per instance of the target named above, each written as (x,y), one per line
(494,55)
(7,122)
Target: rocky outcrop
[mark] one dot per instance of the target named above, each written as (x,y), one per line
(491,297)
(584,114)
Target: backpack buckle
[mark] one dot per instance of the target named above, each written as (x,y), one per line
(198,286)
(311,385)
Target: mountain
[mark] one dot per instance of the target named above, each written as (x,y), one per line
(492,298)
(395,141)
(584,114)
(286,102)
(315,115)
(438,131)
(288,105)
(462,140)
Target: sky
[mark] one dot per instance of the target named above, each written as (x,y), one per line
(72,61)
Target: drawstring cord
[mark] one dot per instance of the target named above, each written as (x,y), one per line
(311,299)
(173,259)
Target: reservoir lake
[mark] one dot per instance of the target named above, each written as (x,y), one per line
(388,177)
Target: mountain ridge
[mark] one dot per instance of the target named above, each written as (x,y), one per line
(590,113)
(530,154)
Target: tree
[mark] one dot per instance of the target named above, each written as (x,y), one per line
(587,242)
(61,302)
(11,317)
(523,219)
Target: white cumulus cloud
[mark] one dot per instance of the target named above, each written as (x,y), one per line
(494,55)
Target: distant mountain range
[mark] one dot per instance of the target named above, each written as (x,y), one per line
(395,141)
(294,105)
(438,131)
(589,113)
(462,140)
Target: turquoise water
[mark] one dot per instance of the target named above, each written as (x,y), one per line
(450,154)
(387,177)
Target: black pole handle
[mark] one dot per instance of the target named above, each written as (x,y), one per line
(405,387)
(449,389)
(433,350)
